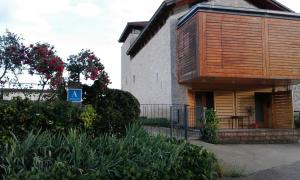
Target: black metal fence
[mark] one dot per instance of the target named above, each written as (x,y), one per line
(180,121)
(297,119)
(184,122)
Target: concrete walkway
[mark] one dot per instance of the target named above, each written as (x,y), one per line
(249,159)
(290,172)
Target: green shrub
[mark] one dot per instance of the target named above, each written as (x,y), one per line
(112,113)
(210,133)
(87,116)
(22,116)
(116,110)
(161,122)
(76,156)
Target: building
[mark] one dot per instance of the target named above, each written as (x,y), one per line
(8,94)
(236,56)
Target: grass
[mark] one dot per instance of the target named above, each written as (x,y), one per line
(231,172)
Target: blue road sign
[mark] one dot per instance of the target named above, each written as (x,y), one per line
(75,95)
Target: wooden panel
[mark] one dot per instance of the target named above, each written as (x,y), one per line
(239,46)
(187,51)
(244,100)
(225,107)
(284,47)
(234,44)
(191,98)
(282,108)
(191,109)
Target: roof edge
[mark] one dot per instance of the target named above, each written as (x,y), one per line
(259,12)
(164,4)
(281,5)
(125,32)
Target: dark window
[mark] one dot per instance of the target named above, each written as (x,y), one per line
(205,99)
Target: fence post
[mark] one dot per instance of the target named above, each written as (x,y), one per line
(171,121)
(185,119)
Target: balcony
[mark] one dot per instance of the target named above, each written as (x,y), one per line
(229,45)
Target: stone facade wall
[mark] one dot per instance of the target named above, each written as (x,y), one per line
(296,98)
(232,3)
(151,74)
(179,92)
(148,74)
(126,76)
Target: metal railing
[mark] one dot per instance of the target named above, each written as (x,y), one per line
(297,119)
(180,121)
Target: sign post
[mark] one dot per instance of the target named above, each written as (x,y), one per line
(74,95)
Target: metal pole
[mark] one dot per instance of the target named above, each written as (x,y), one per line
(171,122)
(185,122)
(203,122)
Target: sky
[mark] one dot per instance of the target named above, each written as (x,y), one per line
(72,25)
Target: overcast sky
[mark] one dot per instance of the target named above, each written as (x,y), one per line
(71,25)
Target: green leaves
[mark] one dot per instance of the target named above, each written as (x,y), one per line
(88,116)
(78,156)
(211,127)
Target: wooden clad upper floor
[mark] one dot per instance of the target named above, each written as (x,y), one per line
(239,45)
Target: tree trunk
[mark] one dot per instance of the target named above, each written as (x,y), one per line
(5,71)
(42,92)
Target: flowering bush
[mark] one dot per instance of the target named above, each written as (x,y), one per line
(12,53)
(88,65)
(43,61)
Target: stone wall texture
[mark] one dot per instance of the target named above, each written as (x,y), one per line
(231,3)
(148,74)
(296,98)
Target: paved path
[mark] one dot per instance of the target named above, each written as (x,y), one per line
(250,159)
(289,172)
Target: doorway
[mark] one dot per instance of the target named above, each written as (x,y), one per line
(205,99)
(263,109)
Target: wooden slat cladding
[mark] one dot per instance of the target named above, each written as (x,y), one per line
(284,47)
(225,107)
(244,100)
(282,110)
(187,51)
(241,46)
(234,44)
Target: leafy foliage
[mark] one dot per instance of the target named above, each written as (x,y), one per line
(77,156)
(87,64)
(211,127)
(12,53)
(21,116)
(113,113)
(44,62)
(88,115)
(160,122)
(116,110)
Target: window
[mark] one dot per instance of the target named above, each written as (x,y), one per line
(133,78)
